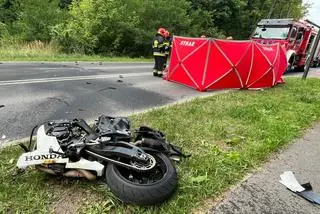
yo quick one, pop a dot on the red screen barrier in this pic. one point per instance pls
(208, 64)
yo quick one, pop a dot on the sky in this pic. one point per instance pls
(314, 11)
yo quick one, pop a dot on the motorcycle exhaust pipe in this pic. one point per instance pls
(80, 173)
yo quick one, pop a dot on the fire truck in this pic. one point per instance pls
(297, 36)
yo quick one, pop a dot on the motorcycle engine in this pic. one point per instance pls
(68, 136)
(61, 129)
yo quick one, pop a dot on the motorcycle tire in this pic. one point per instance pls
(143, 188)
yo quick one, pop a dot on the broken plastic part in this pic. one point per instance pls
(289, 180)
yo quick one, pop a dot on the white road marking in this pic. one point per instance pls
(101, 67)
(61, 79)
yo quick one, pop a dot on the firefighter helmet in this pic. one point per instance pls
(161, 31)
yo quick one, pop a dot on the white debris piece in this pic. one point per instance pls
(3, 137)
(289, 180)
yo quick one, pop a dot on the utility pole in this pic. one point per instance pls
(313, 51)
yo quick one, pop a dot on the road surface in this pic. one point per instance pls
(31, 93)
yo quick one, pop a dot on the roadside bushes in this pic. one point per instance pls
(121, 27)
(29, 20)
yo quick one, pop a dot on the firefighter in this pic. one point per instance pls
(158, 52)
(167, 47)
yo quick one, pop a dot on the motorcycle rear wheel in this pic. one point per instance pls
(143, 188)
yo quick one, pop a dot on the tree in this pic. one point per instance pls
(37, 18)
(9, 10)
(126, 27)
(238, 17)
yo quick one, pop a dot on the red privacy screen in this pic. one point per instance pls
(208, 64)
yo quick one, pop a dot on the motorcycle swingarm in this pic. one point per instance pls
(119, 149)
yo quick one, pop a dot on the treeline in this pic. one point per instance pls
(126, 27)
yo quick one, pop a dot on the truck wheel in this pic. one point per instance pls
(143, 188)
(290, 66)
(299, 69)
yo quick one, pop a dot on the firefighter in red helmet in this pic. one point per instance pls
(158, 47)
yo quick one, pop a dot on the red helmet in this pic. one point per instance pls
(161, 31)
(166, 34)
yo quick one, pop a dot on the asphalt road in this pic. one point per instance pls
(31, 93)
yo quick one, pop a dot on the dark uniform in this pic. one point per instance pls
(158, 53)
(167, 49)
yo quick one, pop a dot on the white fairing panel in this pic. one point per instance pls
(45, 142)
(88, 165)
(42, 155)
(39, 157)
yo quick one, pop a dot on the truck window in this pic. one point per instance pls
(270, 32)
(300, 35)
(293, 33)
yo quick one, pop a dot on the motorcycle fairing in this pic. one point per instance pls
(42, 155)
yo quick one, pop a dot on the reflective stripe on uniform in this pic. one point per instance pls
(158, 54)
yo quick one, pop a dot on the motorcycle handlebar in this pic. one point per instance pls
(83, 124)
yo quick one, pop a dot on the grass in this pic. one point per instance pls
(39, 51)
(228, 135)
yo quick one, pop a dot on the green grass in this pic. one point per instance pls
(38, 51)
(228, 135)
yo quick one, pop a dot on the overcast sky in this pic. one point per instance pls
(314, 12)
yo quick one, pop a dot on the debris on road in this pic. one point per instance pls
(305, 190)
(119, 81)
(309, 195)
(88, 83)
(1, 106)
(3, 137)
(289, 180)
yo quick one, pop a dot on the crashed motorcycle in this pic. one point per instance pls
(137, 168)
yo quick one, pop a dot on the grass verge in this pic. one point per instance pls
(228, 135)
(38, 51)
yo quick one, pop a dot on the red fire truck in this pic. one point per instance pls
(296, 35)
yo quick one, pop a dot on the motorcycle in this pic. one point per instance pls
(137, 170)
